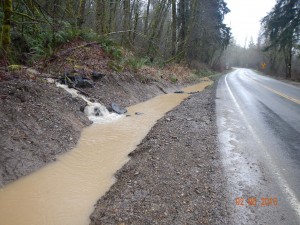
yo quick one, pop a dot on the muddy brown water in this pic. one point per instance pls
(64, 192)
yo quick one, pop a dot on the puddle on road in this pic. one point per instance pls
(64, 192)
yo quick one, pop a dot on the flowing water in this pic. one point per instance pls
(95, 111)
(64, 192)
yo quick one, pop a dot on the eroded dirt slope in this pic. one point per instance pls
(37, 122)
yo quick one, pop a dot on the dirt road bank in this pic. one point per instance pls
(174, 176)
(39, 121)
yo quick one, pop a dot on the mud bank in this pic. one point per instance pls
(174, 176)
(39, 121)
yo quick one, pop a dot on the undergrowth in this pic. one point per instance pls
(41, 42)
(204, 73)
(135, 63)
(37, 42)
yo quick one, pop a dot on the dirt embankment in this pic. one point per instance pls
(39, 121)
(174, 175)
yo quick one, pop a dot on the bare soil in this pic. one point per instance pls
(174, 176)
(39, 121)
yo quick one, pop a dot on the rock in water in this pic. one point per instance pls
(118, 109)
(179, 92)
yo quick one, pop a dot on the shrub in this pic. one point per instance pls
(136, 64)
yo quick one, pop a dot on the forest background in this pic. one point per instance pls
(159, 32)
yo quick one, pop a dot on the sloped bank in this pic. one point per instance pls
(127, 89)
(40, 121)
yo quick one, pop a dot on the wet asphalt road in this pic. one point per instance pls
(259, 136)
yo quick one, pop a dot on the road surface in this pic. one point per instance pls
(259, 136)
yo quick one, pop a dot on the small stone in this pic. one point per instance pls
(118, 109)
(197, 191)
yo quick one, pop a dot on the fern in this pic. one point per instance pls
(136, 63)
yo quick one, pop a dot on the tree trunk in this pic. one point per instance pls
(157, 20)
(6, 27)
(102, 16)
(69, 9)
(55, 13)
(174, 27)
(182, 18)
(136, 18)
(288, 62)
(163, 15)
(132, 8)
(98, 16)
(106, 15)
(147, 18)
(81, 12)
(126, 24)
(112, 15)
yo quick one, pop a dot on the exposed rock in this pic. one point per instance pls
(97, 76)
(116, 108)
(178, 92)
(76, 81)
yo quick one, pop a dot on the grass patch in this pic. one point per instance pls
(205, 73)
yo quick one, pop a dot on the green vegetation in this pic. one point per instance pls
(135, 63)
(158, 31)
(205, 73)
(6, 27)
(282, 28)
(173, 79)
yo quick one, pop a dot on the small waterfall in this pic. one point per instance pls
(95, 111)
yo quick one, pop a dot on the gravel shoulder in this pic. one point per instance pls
(175, 175)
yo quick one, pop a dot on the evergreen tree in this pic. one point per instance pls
(282, 27)
(6, 27)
